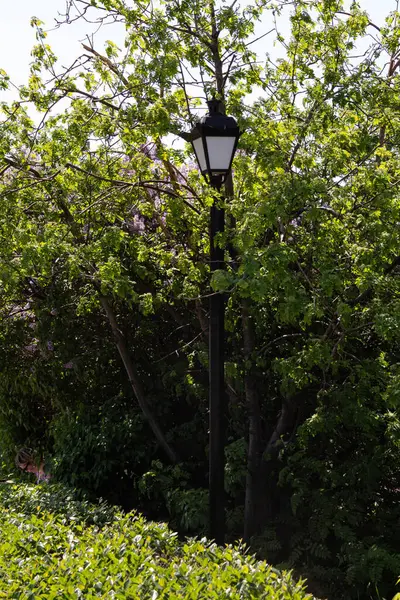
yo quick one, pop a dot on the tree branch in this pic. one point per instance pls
(347, 14)
(134, 380)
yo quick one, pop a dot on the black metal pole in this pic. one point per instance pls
(217, 388)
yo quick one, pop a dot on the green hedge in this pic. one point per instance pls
(54, 546)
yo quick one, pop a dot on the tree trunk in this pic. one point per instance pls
(284, 426)
(134, 380)
(255, 430)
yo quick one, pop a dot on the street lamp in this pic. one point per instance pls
(214, 139)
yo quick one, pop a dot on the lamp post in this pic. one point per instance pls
(214, 139)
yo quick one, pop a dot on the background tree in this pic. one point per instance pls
(104, 224)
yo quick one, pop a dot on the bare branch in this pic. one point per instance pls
(87, 95)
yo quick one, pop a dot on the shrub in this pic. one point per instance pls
(52, 547)
(98, 450)
(345, 522)
(41, 500)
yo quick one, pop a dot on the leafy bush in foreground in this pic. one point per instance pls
(51, 548)
(56, 499)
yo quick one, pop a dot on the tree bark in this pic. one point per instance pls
(134, 380)
(284, 425)
(255, 429)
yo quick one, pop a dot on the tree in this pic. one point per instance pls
(98, 205)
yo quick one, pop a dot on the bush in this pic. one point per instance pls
(98, 450)
(40, 500)
(54, 546)
(345, 525)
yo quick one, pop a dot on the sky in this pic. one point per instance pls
(17, 37)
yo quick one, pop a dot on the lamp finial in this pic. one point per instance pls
(214, 106)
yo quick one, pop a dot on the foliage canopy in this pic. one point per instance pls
(104, 276)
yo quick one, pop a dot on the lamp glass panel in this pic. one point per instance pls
(220, 151)
(199, 150)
